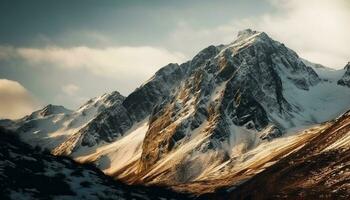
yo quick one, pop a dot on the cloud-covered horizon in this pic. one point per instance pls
(129, 66)
(15, 100)
(118, 62)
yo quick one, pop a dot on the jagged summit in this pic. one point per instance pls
(53, 109)
(46, 111)
(231, 93)
(247, 33)
(103, 101)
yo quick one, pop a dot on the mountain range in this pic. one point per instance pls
(246, 120)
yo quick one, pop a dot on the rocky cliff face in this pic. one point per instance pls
(136, 106)
(113, 122)
(238, 85)
(345, 80)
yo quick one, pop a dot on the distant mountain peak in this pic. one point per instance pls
(249, 33)
(51, 109)
(103, 101)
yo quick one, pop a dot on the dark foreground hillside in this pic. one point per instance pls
(27, 173)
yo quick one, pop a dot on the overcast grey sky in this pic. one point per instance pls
(64, 52)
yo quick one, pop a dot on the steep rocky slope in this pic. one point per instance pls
(318, 170)
(345, 80)
(238, 86)
(119, 118)
(233, 98)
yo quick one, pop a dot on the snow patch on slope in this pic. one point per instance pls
(111, 157)
(261, 156)
(322, 102)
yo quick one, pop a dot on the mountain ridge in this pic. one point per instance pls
(197, 120)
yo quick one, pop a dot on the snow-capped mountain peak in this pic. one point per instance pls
(247, 33)
(191, 119)
(49, 110)
(104, 100)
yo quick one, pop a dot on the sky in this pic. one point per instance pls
(66, 52)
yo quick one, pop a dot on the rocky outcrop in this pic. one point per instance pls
(270, 133)
(345, 80)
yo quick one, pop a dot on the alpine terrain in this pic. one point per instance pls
(246, 120)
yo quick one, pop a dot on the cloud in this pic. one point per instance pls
(198, 39)
(70, 89)
(117, 62)
(317, 30)
(15, 100)
(127, 67)
(71, 93)
(131, 65)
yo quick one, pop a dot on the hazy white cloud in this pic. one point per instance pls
(118, 62)
(70, 89)
(317, 30)
(191, 40)
(128, 66)
(74, 100)
(15, 100)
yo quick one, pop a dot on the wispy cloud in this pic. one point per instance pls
(317, 29)
(128, 66)
(15, 100)
(118, 62)
(70, 89)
